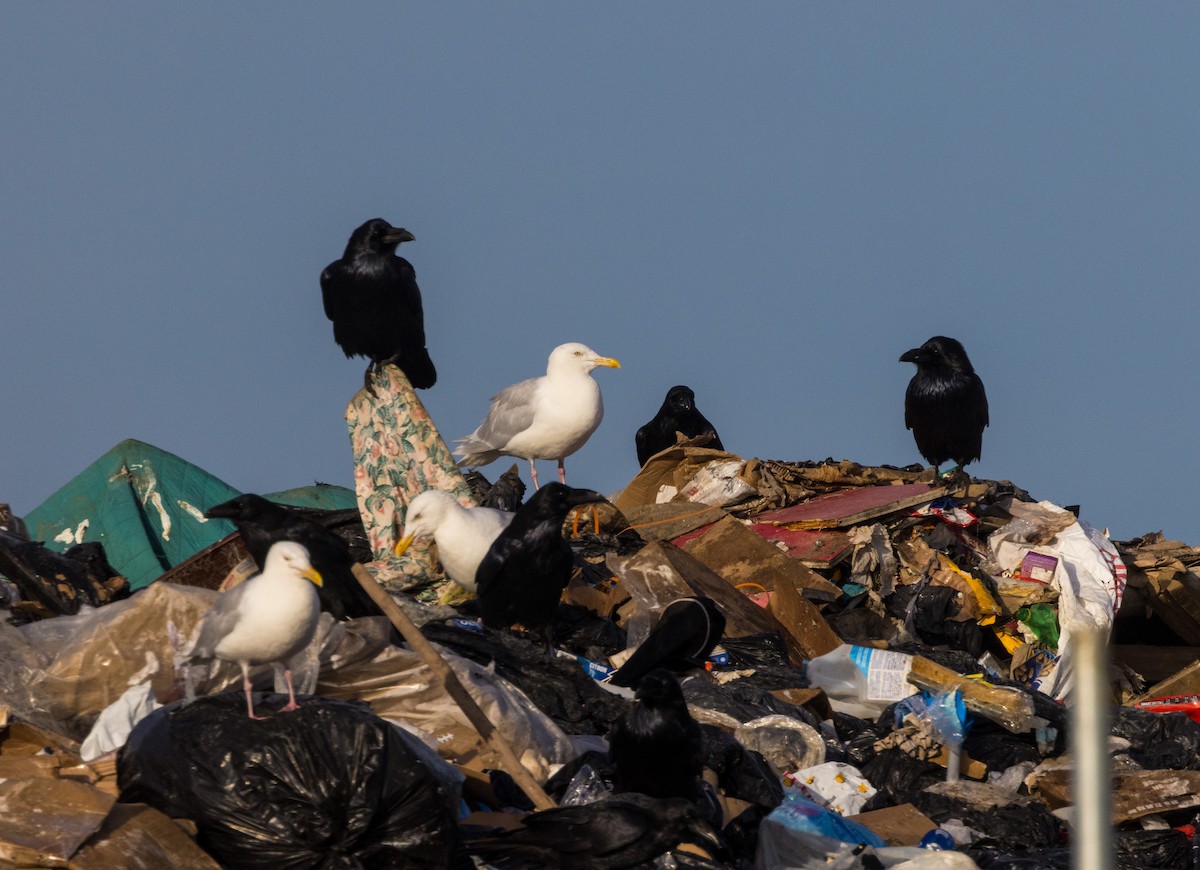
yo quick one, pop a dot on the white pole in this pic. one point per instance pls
(1092, 830)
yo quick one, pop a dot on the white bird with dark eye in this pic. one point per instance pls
(269, 618)
(542, 418)
(463, 535)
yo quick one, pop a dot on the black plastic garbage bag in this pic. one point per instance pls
(896, 775)
(1132, 850)
(1167, 849)
(329, 785)
(1158, 741)
(741, 773)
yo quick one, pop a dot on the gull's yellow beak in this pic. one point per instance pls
(608, 361)
(403, 544)
(314, 575)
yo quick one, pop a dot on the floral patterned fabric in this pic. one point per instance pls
(398, 453)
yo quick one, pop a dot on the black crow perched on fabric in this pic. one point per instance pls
(685, 634)
(677, 414)
(657, 747)
(945, 406)
(371, 295)
(262, 523)
(618, 832)
(523, 574)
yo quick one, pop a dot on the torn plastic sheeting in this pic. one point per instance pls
(399, 686)
(1089, 577)
(93, 656)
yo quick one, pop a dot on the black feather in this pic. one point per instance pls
(523, 574)
(945, 405)
(371, 295)
(261, 523)
(657, 747)
(625, 831)
(677, 414)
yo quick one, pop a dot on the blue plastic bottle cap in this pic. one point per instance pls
(938, 840)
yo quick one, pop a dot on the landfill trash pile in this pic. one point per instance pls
(754, 663)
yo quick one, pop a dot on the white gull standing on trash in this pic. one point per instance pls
(463, 535)
(542, 418)
(269, 618)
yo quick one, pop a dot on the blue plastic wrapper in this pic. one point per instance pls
(801, 814)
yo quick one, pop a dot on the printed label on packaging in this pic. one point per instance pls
(886, 671)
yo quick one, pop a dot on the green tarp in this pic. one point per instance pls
(146, 506)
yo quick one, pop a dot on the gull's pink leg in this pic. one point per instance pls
(246, 686)
(562, 473)
(533, 474)
(291, 704)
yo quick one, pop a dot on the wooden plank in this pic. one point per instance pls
(1185, 681)
(848, 507)
(740, 556)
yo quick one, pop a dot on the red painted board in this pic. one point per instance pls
(818, 548)
(847, 507)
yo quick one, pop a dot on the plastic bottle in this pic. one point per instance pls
(860, 680)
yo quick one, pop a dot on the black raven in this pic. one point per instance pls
(262, 523)
(625, 831)
(657, 747)
(945, 405)
(524, 572)
(677, 414)
(685, 634)
(371, 295)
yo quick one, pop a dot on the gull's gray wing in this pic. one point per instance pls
(511, 413)
(219, 621)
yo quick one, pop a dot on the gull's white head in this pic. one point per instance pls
(577, 357)
(424, 515)
(290, 557)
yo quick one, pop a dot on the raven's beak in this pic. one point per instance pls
(403, 544)
(314, 575)
(218, 512)
(398, 235)
(912, 356)
(607, 361)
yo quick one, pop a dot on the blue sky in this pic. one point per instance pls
(768, 202)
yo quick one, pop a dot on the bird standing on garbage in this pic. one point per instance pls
(657, 747)
(626, 831)
(524, 572)
(677, 414)
(261, 523)
(945, 405)
(542, 418)
(371, 295)
(463, 535)
(269, 618)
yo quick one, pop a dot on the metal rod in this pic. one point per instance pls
(1092, 829)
